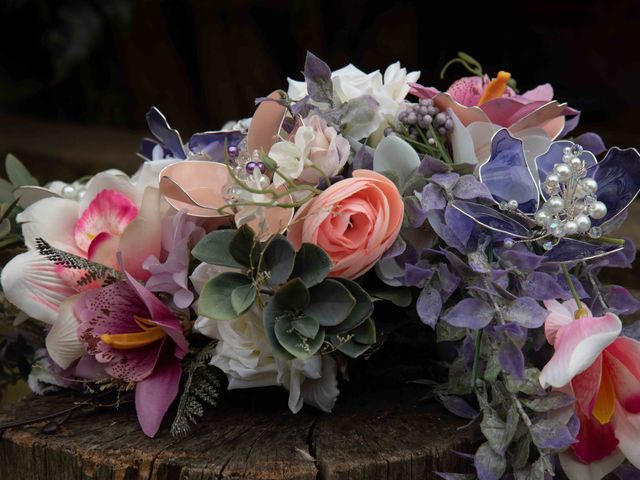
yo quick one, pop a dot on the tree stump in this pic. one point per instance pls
(372, 434)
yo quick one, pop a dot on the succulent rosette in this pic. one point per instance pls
(343, 219)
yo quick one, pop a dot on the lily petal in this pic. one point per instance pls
(576, 470)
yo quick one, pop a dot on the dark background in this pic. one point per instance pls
(204, 61)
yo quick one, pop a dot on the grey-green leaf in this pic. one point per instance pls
(214, 249)
(272, 312)
(295, 343)
(331, 303)
(278, 260)
(311, 265)
(6, 191)
(293, 295)
(215, 299)
(242, 298)
(243, 246)
(18, 173)
(360, 312)
(306, 326)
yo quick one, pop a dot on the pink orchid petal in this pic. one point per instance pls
(63, 344)
(146, 226)
(196, 186)
(114, 180)
(103, 249)
(52, 219)
(506, 111)
(30, 281)
(577, 346)
(586, 385)
(467, 115)
(110, 212)
(595, 441)
(559, 315)
(627, 386)
(421, 91)
(155, 394)
(627, 429)
(88, 367)
(549, 117)
(627, 350)
(576, 470)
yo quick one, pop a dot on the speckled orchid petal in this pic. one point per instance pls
(197, 186)
(618, 177)
(507, 174)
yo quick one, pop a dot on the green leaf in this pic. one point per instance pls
(449, 333)
(272, 312)
(215, 299)
(293, 295)
(331, 303)
(278, 260)
(359, 313)
(242, 298)
(306, 326)
(6, 191)
(365, 333)
(350, 348)
(214, 249)
(399, 296)
(295, 343)
(243, 246)
(311, 265)
(18, 173)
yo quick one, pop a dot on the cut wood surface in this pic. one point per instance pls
(389, 434)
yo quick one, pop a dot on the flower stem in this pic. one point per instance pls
(476, 359)
(574, 292)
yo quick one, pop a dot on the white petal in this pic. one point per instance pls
(395, 155)
(31, 283)
(323, 392)
(52, 219)
(461, 142)
(62, 342)
(111, 181)
(627, 430)
(576, 470)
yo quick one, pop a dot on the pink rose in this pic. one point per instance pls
(329, 150)
(355, 221)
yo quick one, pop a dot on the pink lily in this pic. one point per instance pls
(127, 334)
(480, 107)
(602, 370)
(112, 216)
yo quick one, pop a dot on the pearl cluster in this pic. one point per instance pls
(572, 201)
(249, 169)
(73, 191)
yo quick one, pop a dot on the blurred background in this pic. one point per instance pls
(202, 62)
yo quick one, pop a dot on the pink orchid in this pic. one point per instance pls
(112, 216)
(481, 107)
(602, 370)
(123, 331)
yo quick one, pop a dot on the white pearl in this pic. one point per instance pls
(576, 164)
(552, 180)
(555, 204)
(68, 191)
(542, 218)
(583, 222)
(580, 193)
(563, 171)
(570, 227)
(589, 185)
(513, 204)
(567, 150)
(597, 210)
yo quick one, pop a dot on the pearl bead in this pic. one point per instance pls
(575, 164)
(566, 158)
(555, 204)
(583, 222)
(513, 204)
(597, 210)
(552, 180)
(577, 150)
(233, 151)
(563, 171)
(542, 218)
(508, 243)
(571, 227)
(81, 193)
(68, 191)
(589, 185)
(566, 150)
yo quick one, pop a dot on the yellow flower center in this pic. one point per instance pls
(496, 87)
(150, 333)
(605, 403)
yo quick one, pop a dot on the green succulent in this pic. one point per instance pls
(303, 310)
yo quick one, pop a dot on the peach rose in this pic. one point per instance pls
(355, 221)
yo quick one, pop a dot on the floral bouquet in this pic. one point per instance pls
(262, 253)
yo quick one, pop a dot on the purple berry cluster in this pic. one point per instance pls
(422, 115)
